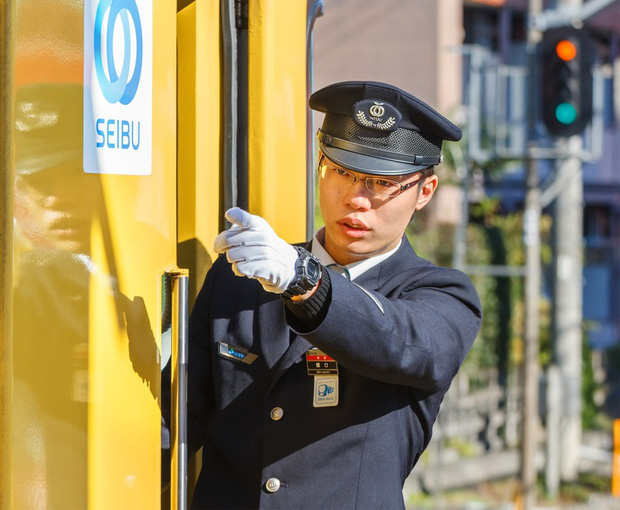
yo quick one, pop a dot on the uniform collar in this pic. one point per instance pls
(355, 269)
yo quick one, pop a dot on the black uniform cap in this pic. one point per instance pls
(376, 128)
(48, 126)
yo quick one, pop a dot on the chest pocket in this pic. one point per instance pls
(235, 370)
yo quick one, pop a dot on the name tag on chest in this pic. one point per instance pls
(324, 369)
(236, 353)
(325, 391)
(319, 363)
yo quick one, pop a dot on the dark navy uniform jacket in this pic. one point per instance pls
(397, 355)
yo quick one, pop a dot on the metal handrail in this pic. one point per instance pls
(179, 449)
(316, 8)
(230, 109)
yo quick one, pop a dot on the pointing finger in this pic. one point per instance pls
(244, 219)
(239, 217)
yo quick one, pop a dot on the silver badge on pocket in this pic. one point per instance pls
(236, 353)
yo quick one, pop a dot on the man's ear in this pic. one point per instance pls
(426, 192)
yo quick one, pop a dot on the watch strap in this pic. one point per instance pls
(308, 314)
(303, 281)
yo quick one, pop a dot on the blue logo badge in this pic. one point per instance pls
(114, 87)
(325, 390)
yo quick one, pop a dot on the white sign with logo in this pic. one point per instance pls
(118, 86)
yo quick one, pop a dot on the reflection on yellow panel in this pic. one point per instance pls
(89, 253)
(277, 115)
(6, 249)
(50, 295)
(199, 138)
(53, 205)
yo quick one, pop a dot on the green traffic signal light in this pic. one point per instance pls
(566, 113)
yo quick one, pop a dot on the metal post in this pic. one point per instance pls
(552, 443)
(568, 223)
(459, 259)
(230, 110)
(567, 309)
(316, 9)
(178, 384)
(531, 369)
(531, 230)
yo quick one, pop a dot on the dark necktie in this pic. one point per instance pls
(340, 269)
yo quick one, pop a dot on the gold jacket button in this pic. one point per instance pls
(276, 413)
(272, 485)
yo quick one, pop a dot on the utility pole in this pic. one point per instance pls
(531, 231)
(567, 313)
(567, 310)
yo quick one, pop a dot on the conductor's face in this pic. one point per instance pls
(53, 207)
(364, 218)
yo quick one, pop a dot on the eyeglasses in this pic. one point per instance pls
(339, 177)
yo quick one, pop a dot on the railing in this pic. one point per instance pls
(475, 437)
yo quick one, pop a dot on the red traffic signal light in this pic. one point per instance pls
(566, 50)
(566, 59)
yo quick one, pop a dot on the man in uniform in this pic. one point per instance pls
(316, 371)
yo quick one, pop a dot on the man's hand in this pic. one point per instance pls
(255, 251)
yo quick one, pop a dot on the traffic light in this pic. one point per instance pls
(566, 59)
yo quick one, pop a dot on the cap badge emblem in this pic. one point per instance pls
(377, 110)
(373, 114)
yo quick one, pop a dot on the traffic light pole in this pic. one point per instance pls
(531, 231)
(567, 314)
(567, 309)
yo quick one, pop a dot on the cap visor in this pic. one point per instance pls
(47, 161)
(368, 164)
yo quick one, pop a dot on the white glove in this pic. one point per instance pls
(255, 251)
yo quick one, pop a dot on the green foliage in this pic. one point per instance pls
(613, 355)
(589, 385)
(493, 238)
(464, 449)
(581, 490)
(497, 239)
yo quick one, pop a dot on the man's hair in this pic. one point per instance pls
(424, 174)
(427, 172)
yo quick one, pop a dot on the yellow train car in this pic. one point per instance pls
(128, 127)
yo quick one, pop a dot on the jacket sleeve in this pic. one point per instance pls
(417, 334)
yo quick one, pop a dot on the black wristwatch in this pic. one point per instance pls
(308, 274)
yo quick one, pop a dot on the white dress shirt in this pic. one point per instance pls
(354, 269)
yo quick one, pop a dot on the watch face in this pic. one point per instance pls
(308, 270)
(314, 269)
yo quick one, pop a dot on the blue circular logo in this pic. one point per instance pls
(114, 86)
